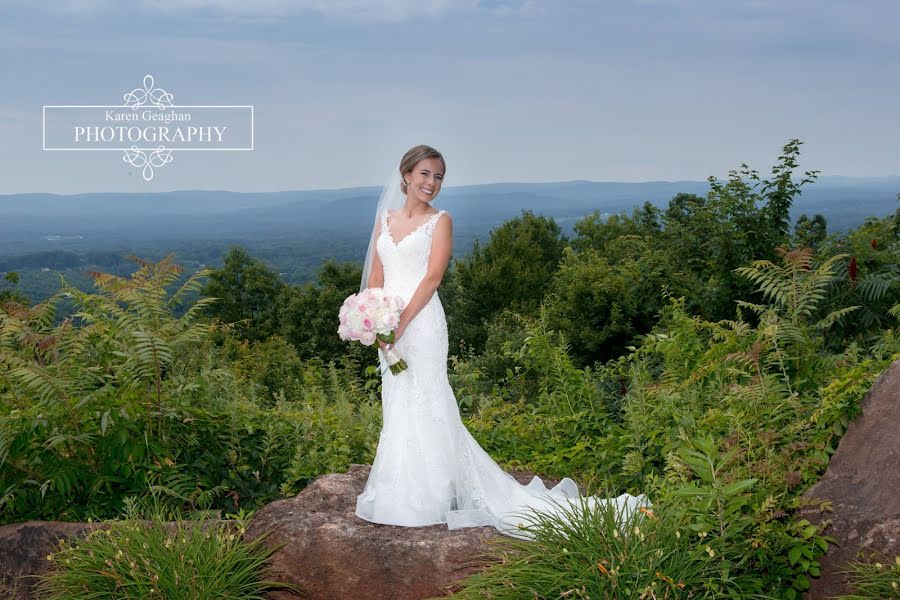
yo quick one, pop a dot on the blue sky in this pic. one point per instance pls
(508, 90)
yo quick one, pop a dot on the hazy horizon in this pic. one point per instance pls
(762, 175)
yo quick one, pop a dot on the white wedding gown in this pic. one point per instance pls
(428, 469)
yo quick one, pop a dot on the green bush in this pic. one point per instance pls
(135, 398)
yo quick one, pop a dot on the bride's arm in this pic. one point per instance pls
(376, 273)
(441, 249)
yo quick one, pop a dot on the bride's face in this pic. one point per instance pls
(424, 182)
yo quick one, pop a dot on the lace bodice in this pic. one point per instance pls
(405, 262)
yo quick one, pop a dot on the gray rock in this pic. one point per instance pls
(23, 552)
(331, 553)
(862, 483)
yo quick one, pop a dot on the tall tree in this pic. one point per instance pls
(309, 313)
(809, 233)
(248, 293)
(513, 270)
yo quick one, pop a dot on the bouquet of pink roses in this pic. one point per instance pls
(372, 314)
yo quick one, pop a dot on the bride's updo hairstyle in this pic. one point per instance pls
(412, 158)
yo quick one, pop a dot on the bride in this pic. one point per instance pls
(428, 469)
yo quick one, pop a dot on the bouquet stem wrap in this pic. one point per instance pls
(394, 360)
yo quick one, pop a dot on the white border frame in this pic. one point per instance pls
(44, 128)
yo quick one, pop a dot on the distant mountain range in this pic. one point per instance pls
(40, 222)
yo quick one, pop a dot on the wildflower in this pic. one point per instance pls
(603, 569)
(647, 512)
(879, 565)
(50, 556)
(710, 551)
(565, 550)
(678, 534)
(637, 530)
(668, 580)
(702, 534)
(616, 533)
(894, 585)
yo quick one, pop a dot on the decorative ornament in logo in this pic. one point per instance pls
(148, 127)
(134, 100)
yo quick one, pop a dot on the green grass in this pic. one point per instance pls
(151, 558)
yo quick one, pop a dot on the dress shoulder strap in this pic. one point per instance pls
(432, 222)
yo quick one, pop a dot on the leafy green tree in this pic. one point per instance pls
(740, 220)
(309, 313)
(248, 292)
(809, 233)
(513, 270)
(592, 231)
(779, 193)
(14, 294)
(601, 300)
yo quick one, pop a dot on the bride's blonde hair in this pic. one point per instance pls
(412, 158)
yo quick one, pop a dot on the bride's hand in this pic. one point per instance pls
(398, 332)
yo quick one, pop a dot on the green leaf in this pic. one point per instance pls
(691, 491)
(738, 486)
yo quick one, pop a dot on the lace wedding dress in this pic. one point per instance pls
(428, 469)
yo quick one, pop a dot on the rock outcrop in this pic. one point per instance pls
(23, 552)
(331, 553)
(863, 484)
